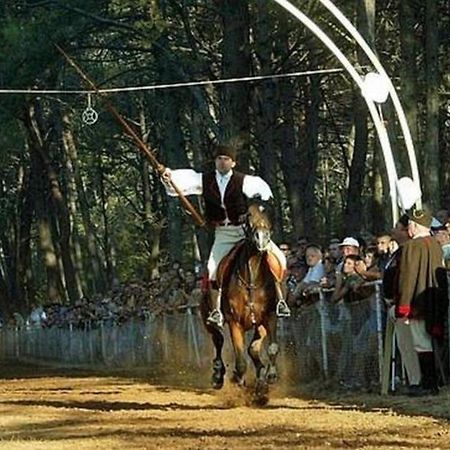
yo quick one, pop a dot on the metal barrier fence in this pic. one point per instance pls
(340, 343)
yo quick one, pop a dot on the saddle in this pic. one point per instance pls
(227, 263)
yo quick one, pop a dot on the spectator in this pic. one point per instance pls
(329, 279)
(421, 302)
(334, 249)
(368, 267)
(316, 271)
(351, 281)
(286, 249)
(383, 244)
(296, 272)
(443, 216)
(37, 316)
(349, 246)
(442, 235)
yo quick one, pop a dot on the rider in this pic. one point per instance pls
(225, 192)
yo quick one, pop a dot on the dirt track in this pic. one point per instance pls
(42, 408)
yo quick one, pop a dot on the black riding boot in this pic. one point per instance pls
(429, 374)
(215, 317)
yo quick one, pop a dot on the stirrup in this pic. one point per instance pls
(215, 319)
(283, 309)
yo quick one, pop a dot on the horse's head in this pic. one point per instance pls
(259, 227)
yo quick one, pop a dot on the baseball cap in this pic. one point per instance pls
(349, 241)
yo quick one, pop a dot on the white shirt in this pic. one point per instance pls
(315, 273)
(222, 182)
(190, 183)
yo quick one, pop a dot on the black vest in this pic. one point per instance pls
(234, 199)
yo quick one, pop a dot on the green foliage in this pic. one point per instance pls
(137, 42)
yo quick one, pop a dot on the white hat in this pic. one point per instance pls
(408, 193)
(350, 241)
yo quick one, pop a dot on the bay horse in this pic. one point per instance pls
(248, 299)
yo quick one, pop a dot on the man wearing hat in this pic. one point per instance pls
(225, 192)
(421, 300)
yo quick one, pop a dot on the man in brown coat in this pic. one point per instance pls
(422, 297)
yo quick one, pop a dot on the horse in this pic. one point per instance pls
(248, 298)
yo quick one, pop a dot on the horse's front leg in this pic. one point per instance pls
(272, 350)
(218, 365)
(238, 339)
(261, 394)
(254, 351)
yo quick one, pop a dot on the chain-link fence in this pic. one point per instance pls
(335, 342)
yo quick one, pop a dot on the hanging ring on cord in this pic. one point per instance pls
(89, 115)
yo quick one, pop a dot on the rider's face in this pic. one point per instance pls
(224, 164)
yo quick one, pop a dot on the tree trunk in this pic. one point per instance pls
(69, 210)
(285, 137)
(39, 185)
(265, 105)
(152, 227)
(236, 63)
(311, 148)
(108, 247)
(173, 145)
(24, 274)
(408, 68)
(64, 226)
(432, 189)
(354, 208)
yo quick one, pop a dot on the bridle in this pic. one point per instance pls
(257, 228)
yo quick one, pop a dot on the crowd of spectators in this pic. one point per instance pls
(174, 291)
(342, 267)
(345, 266)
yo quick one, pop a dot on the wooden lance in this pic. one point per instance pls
(142, 146)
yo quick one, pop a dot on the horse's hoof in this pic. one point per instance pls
(261, 400)
(261, 395)
(239, 381)
(261, 388)
(272, 376)
(217, 384)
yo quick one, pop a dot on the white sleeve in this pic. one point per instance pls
(254, 186)
(187, 180)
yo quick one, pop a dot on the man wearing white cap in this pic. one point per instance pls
(349, 246)
(225, 192)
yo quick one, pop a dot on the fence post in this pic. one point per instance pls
(192, 330)
(164, 337)
(323, 331)
(16, 342)
(378, 301)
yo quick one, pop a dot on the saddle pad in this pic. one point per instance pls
(276, 267)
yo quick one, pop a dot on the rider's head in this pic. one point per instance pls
(225, 158)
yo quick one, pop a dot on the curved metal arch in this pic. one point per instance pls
(379, 125)
(392, 92)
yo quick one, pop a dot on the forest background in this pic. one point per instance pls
(81, 210)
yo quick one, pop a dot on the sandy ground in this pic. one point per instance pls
(50, 408)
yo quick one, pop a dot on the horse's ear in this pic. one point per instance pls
(265, 207)
(257, 201)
